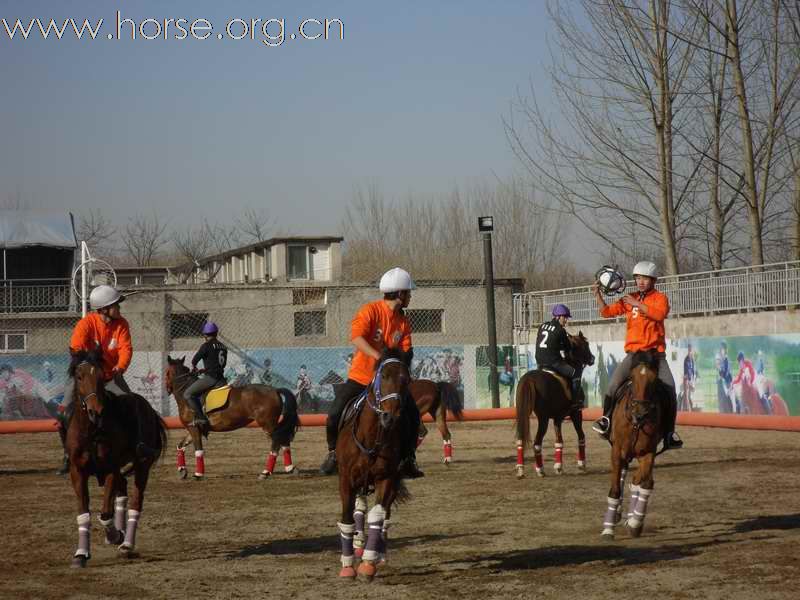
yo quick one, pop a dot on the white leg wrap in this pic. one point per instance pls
(84, 537)
(361, 503)
(632, 502)
(640, 510)
(346, 534)
(375, 520)
(611, 517)
(130, 530)
(120, 512)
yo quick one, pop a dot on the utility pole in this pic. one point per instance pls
(486, 226)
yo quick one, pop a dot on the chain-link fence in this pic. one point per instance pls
(284, 336)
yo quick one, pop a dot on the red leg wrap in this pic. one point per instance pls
(199, 463)
(271, 459)
(520, 455)
(448, 450)
(287, 457)
(181, 458)
(582, 451)
(559, 455)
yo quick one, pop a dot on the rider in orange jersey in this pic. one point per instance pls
(644, 313)
(378, 325)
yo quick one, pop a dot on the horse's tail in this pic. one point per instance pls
(152, 429)
(449, 399)
(526, 396)
(286, 430)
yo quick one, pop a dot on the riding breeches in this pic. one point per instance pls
(203, 383)
(343, 394)
(562, 368)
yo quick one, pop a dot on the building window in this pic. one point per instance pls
(298, 262)
(13, 342)
(426, 320)
(183, 325)
(309, 323)
(302, 296)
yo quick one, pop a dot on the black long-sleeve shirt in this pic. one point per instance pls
(551, 339)
(214, 355)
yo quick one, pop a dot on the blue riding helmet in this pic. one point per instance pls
(210, 328)
(740, 356)
(561, 310)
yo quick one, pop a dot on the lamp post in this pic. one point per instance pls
(486, 226)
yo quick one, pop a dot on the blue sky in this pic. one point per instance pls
(411, 99)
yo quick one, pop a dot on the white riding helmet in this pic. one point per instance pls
(104, 295)
(645, 268)
(396, 280)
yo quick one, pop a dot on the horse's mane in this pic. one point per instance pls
(398, 354)
(645, 357)
(93, 357)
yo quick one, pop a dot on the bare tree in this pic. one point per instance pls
(611, 159)
(195, 243)
(97, 231)
(255, 225)
(143, 238)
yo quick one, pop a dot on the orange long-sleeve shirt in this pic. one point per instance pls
(114, 339)
(377, 323)
(645, 332)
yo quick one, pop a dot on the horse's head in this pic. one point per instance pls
(580, 351)
(176, 370)
(86, 368)
(644, 375)
(389, 388)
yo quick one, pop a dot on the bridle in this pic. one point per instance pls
(376, 405)
(92, 414)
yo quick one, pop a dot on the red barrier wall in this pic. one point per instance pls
(488, 414)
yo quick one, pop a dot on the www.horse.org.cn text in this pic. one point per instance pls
(271, 32)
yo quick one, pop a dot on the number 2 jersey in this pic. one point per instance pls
(214, 355)
(551, 339)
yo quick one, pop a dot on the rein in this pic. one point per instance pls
(375, 405)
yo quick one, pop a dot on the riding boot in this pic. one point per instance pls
(199, 416)
(578, 397)
(328, 466)
(603, 424)
(671, 439)
(409, 468)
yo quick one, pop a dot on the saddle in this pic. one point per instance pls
(216, 398)
(560, 378)
(352, 408)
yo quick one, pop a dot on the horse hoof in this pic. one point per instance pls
(347, 573)
(358, 552)
(447, 460)
(264, 475)
(540, 472)
(120, 537)
(582, 467)
(199, 476)
(607, 537)
(558, 470)
(635, 531)
(520, 472)
(78, 562)
(367, 569)
(182, 472)
(293, 471)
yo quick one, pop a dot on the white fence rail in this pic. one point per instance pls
(36, 295)
(728, 290)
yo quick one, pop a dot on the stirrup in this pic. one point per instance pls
(328, 466)
(672, 441)
(602, 426)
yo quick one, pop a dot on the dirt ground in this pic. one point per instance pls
(723, 522)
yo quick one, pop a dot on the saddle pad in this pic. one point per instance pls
(217, 398)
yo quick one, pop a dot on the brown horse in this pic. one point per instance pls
(549, 396)
(369, 449)
(102, 434)
(636, 429)
(275, 411)
(436, 398)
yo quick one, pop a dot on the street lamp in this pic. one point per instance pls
(486, 226)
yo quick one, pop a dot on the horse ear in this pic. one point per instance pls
(183, 359)
(580, 333)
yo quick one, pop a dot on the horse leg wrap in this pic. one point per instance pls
(120, 512)
(84, 537)
(346, 536)
(112, 533)
(640, 510)
(611, 517)
(559, 455)
(269, 467)
(287, 459)
(537, 455)
(130, 530)
(384, 539)
(582, 453)
(447, 448)
(632, 502)
(520, 456)
(375, 520)
(358, 517)
(199, 463)
(181, 459)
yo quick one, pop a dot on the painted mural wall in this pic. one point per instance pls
(752, 375)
